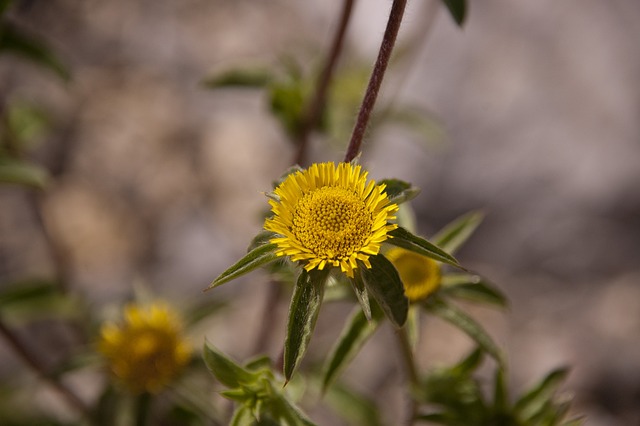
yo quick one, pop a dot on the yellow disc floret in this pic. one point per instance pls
(330, 215)
(420, 275)
(147, 351)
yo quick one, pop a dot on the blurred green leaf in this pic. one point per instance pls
(399, 191)
(353, 337)
(13, 40)
(361, 293)
(353, 407)
(456, 233)
(287, 101)
(284, 411)
(303, 313)
(472, 288)
(242, 417)
(535, 399)
(405, 239)
(34, 299)
(21, 173)
(384, 285)
(457, 9)
(225, 370)
(257, 257)
(464, 322)
(25, 123)
(4, 4)
(500, 395)
(469, 364)
(249, 78)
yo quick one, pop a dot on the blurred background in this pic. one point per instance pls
(532, 113)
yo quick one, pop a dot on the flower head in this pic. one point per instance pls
(420, 275)
(328, 215)
(147, 350)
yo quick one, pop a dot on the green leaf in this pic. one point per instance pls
(456, 233)
(464, 322)
(457, 9)
(257, 257)
(353, 337)
(384, 285)
(283, 409)
(361, 293)
(261, 239)
(225, 370)
(437, 418)
(287, 102)
(15, 41)
(399, 191)
(500, 395)
(469, 364)
(249, 78)
(535, 399)
(473, 288)
(353, 407)
(20, 173)
(405, 239)
(4, 4)
(32, 299)
(242, 417)
(303, 313)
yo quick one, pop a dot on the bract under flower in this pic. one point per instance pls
(328, 215)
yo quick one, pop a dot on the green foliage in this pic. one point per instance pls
(303, 313)
(457, 9)
(259, 256)
(255, 389)
(456, 233)
(405, 239)
(399, 191)
(384, 285)
(472, 288)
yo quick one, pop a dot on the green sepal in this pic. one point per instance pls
(357, 331)
(467, 324)
(472, 288)
(384, 285)
(257, 257)
(361, 293)
(303, 313)
(405, 239)
(225, 370)
(457, 9)
(18, 172)
(535, 399)
(399, 191)
(17, 42)
(456, 233)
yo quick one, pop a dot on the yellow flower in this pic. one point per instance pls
(420, 275)
(148, 350)
(330, 215)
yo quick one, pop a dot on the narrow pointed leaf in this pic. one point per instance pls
(500, 397)
(362, 295)
(257, 257)
(399, 191)
(464, 322)
(405, 239)
(249, 78)
(457, 9)
(353, 337)
(384, 285)
(456, 233)
(303, 313)
(531, 402)
(261, 239)
(470, 363)
(21, 173)
(225, 370)
(473, 288)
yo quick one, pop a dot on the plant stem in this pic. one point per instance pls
(410, 366)
(316, 106)
(369, 100)
(21, 350)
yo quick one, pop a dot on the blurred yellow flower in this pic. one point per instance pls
(420, 275)
(147, 351)
(330, 215)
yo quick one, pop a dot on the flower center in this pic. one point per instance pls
(332, 222)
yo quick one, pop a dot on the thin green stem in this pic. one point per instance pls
(29, 358)
(317, 104)
(408, 359)
(370, 96)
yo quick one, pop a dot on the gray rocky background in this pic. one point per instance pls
(158, 180)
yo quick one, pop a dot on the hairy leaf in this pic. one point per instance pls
(384, 285)
(257, 257)
(405, 239)
(225, 370)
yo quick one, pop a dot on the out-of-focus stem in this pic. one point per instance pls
(413, 379)
(316, 106)
(370, 96)
(28, 358)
